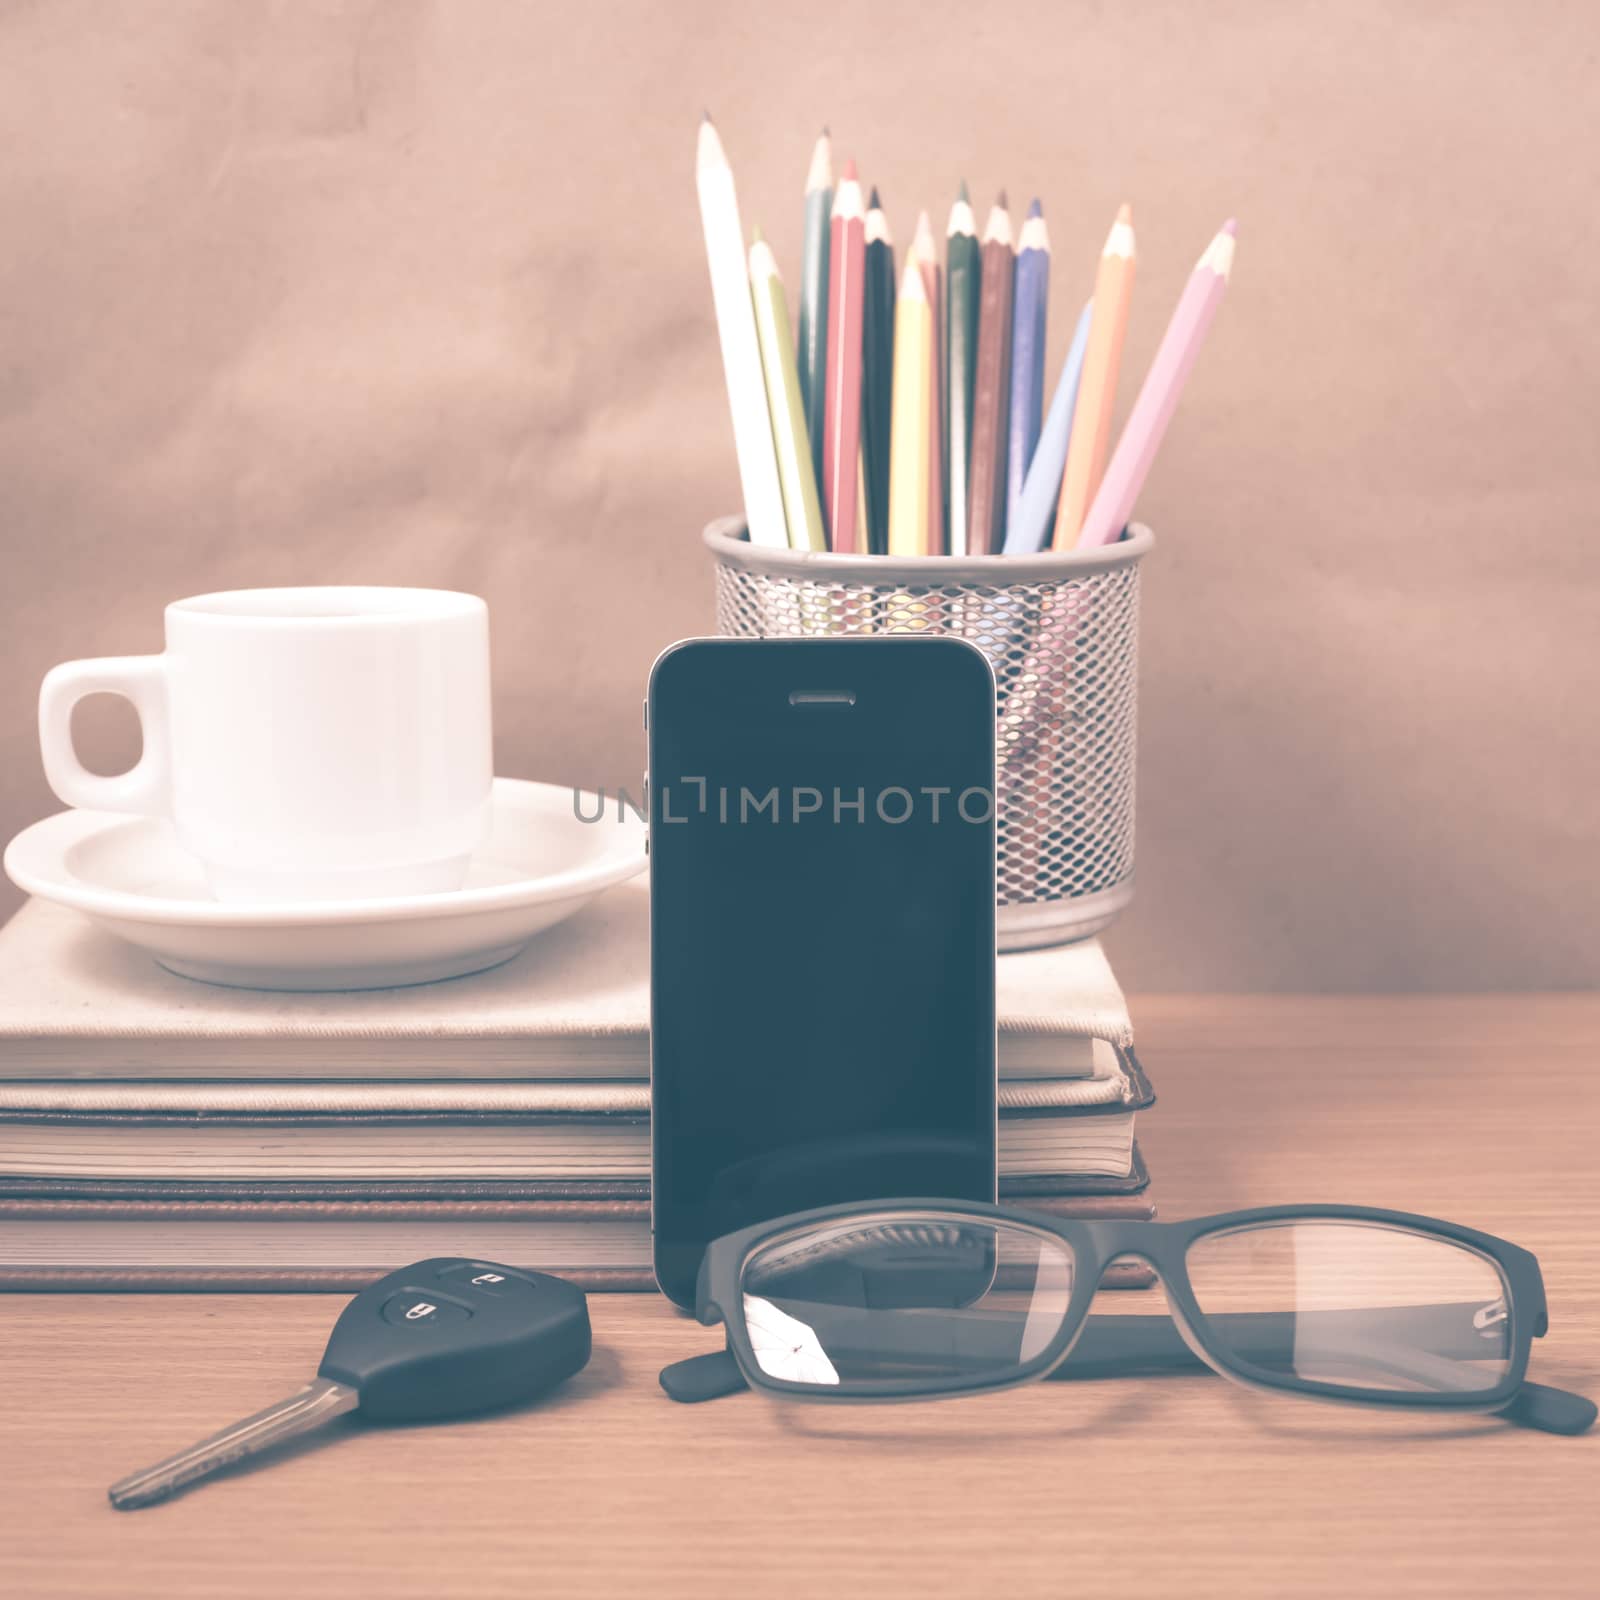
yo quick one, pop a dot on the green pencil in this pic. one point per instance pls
(963, 288)
(877, 374)
(811, 358)
(797, 478)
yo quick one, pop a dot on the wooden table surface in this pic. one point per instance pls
(1480, 1109)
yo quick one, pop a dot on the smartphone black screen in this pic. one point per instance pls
(822, 855)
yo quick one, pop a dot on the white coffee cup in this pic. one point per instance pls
(308, 744)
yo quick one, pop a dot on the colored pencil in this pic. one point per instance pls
(736, 327)
(877, 363)
(963, 268)
(986, 492)
(1097, 394)
(863, 523)
(842, 424)
(913, 396)
(797, 477)
(1028, 531)
(812, 352)
(1158, 398)
(1031, 299)
(933, 282)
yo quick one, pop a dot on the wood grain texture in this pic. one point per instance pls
(1176, 1486)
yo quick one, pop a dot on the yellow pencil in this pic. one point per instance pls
(797, 476)
(1097, 390)
(910, 432)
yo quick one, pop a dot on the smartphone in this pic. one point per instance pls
(822, 858)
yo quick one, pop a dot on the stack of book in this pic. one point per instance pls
(160, 1133)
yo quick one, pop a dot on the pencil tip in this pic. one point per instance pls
(850, 173)
(705, 116)
(825, 133)
(1230, 227)
(755, 234)
(1036, 210)
(819, 174)
(1125, 213)
(965, 198)
(1002, 202)
(873, 202)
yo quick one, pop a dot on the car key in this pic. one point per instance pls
(443, 1338)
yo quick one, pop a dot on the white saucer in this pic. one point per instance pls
(131, 877)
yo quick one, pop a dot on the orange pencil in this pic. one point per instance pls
(1097, 392)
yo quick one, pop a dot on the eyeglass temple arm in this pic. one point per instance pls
(704, 1377)
(1124, 1346)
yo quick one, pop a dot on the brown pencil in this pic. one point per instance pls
(986, 505)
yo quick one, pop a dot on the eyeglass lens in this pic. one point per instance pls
(1355, 1304)
(905, 1297)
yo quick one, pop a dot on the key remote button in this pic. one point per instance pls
(409, 1308)
(481, 1278)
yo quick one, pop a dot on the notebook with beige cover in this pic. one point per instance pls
(267, 1132)
(78, 1003)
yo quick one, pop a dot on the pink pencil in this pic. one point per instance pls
(1152, 411)
(841, 440)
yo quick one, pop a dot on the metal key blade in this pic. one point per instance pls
(317, 1403)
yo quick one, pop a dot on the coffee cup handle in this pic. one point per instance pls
(145, 787)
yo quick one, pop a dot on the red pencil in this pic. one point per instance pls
(841, 443)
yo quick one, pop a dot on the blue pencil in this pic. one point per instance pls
(1028, 532)
(1032, 297)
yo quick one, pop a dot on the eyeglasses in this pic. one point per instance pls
(917, 1299)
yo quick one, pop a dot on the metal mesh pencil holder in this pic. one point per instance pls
(1062, 634)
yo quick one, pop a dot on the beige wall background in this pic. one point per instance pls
(414, 293)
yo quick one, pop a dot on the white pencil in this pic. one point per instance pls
(741, 358)
(797, 477)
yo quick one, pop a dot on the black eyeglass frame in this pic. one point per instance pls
(1164, 1246)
